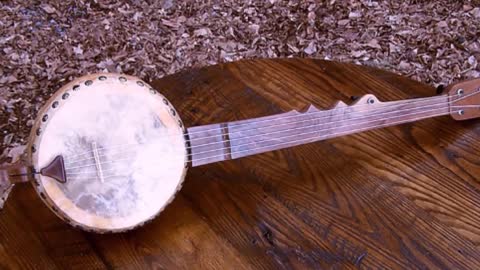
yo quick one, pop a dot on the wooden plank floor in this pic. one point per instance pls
(405, 197)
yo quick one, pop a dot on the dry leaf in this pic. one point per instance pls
(49, 9)
(472, 74)
(476, 13)
(253, 28)
(343, 22)
(15, 152)
(374, 44)
(354, 15)
(404, 65)
(472, 61)
(311, 48)
(8, 139)
(358, 54)
(201, 32)
(78, 49)
(442, 24)
(137, 16)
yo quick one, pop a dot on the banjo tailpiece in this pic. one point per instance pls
(56, 170)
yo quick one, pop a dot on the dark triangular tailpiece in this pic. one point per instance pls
(55, 170)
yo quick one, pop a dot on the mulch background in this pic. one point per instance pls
(44, 44)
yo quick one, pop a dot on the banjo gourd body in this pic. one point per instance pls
(123, 150)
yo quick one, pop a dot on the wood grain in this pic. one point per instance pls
(404, 197)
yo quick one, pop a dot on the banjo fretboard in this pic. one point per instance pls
(217, 142)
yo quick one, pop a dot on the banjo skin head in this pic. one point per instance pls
(123, 149)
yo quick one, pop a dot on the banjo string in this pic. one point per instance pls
(264, 127)
(264, 134)
(282, 137)
(304, 114)
(258, 135)
(323, 114)
(299, 141)
(268, 133)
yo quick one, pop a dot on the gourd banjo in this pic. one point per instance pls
(108, 153)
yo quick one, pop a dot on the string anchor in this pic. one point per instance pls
(56, 170)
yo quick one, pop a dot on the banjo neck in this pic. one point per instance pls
(232, 140)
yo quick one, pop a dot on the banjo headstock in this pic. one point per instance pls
(467, 95)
